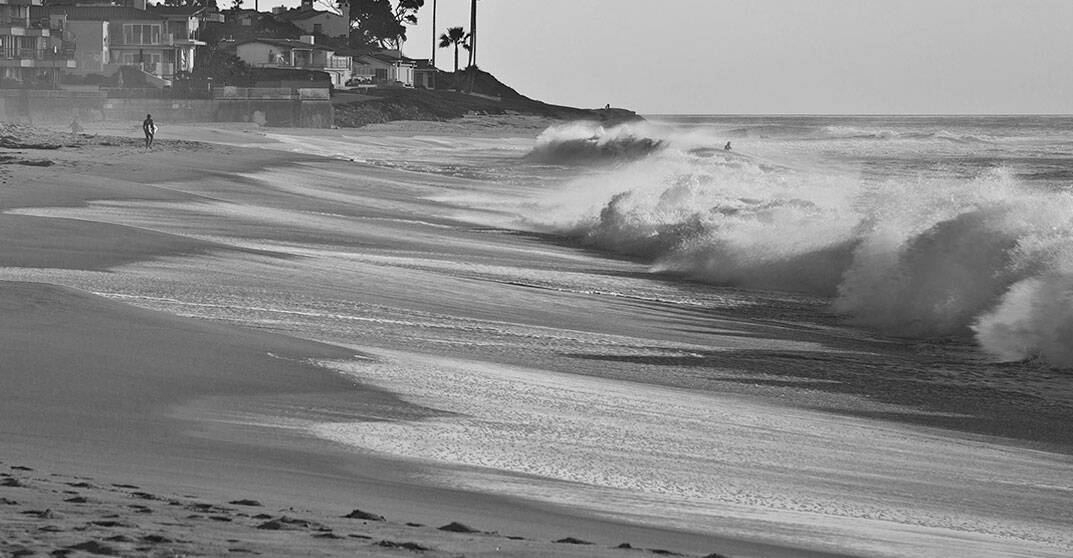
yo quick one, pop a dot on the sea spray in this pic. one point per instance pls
(580, 143)
(925, 255)
(933, 255)
(1034, 318)
(1033, 321)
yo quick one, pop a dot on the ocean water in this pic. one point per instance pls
(850, 334)
(917, 227)
(920, 227)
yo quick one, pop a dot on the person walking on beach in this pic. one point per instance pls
(149, 127)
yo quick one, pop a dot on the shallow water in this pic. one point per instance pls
(715, 378)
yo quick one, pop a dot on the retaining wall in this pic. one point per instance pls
(309, 110)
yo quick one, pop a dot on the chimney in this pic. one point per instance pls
(307, 39)
(307, 4)
(344, 8)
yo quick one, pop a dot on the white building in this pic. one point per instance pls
(288, 53)
(386, 67)
(28, 52)
(322, 22)
(159, 45)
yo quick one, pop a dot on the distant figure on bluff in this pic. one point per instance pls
(149, 127)
(726, 147)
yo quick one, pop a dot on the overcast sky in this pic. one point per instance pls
(769, 56)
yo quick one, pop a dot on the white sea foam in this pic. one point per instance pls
(921, 253)
(590, 142)
(710, 462)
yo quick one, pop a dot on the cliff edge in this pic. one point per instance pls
(457, 95)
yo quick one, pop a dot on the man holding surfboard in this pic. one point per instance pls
(149, 127)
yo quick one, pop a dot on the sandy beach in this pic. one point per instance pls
(97, 432)
(207, 350)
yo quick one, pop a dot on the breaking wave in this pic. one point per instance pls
(588, 142)
(989, 258)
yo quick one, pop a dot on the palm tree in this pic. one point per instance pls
(473, 33)
(454, 36)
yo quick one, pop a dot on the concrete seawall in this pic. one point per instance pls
(291, 108)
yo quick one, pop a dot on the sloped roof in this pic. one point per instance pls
(423, 63)
(285, 43)
(388, 59)
(292, 15)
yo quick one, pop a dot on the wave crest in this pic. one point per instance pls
(989, 257)
(581, 143)
(1034, 320)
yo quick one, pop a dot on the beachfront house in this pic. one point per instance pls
(183, 24)
(107, 37)
(302, 54)
(386, 67)
(241, 17)
(30, 53)
(318, 22)
(425, 73)
(91, 51)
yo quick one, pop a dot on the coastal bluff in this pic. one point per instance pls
(458, 95)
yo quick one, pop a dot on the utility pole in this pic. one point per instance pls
(433, 34)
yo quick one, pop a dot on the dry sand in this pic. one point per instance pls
(114, 436)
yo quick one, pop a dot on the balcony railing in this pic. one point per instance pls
(339, 62)
(37, 54)
(165, 39)
(307, 65)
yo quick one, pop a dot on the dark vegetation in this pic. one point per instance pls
(491, 97)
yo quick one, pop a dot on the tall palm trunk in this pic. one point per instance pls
(473, 33)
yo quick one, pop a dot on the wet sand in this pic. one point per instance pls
(150, 417)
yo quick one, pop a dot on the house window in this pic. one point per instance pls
(138, 34)
(317, 28)
(150, 61)
(381, 74)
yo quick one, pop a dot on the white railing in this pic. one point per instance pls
(166, 39)
(340, 62)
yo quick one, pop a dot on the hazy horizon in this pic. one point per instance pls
(826, 57)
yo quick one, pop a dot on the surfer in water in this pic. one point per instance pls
(726, 147)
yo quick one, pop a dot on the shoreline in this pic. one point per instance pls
(224, 432)
(152, 432)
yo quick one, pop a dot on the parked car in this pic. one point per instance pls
(359, 80)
